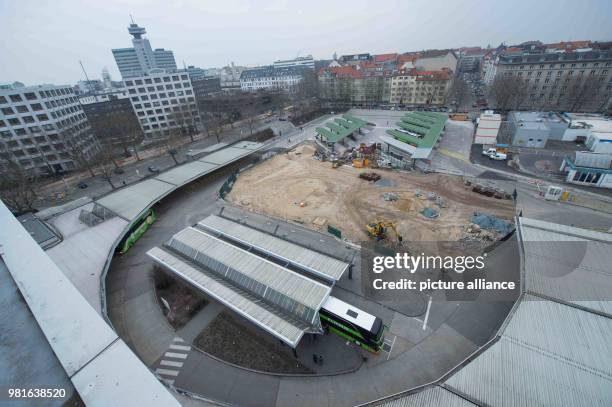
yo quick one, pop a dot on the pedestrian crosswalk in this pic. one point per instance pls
(171, 363)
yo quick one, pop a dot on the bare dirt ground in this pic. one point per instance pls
(246, 348)
(296, 187)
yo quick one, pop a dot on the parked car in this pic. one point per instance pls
(153, 169)
(489, 152)
(498, 157)
(82, 185)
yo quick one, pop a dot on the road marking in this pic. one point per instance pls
(175, 355)
(391, 349)
(170, 363)
(177, 339)
(167, 372)
(427, 314)
(180, 347)
(168, 381)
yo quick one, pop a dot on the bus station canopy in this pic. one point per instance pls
(315, 263)
(281, 301)
(342, 128)
(129, 202)
(420, 129)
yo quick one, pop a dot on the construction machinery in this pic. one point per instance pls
(378, 230)
(370, 176)
(361, 163)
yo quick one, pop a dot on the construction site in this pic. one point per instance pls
(342, 195)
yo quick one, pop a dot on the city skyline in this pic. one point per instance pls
(200, 34)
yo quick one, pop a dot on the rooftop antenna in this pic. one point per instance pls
(132, 18)
(89, 82)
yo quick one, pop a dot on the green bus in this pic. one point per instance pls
(353, 324)
(137, 230)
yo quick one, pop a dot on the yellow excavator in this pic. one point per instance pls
(378, 230)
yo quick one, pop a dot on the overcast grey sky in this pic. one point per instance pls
(42, 41)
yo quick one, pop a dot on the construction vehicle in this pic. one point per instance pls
(459, 117)
(378, 230)
(370, 176)
(361, 162)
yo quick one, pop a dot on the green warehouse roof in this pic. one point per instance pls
(343, 127)
(419, 129)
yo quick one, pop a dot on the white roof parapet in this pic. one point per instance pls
(311, 261)
(250, 307)
(290, 291)
(186, 173)
(131, 201)
(229, 154)
(94, 357)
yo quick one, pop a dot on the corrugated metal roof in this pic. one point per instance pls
(430, 397)
(568, 263)
(510, 374)
(561, 331)
(129, 202)
(550, 353)
(314, 262)
(186, 172)
(249, 306)
(249, 145)
(227, 155)
(289, 290)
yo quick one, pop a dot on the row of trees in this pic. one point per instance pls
(586, 93)
(99, 155)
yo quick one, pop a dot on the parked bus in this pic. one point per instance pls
(353, 324)
(137, 230)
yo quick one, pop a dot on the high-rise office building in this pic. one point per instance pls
(141, 58)
(44, 129)
(163, 102)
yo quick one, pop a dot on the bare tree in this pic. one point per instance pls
(17, 185)
(106, 162)
(77, 152)
(248, 110)
(458, 91)
(126, 133)
(184, 117)
(583, 93)
(509, 92)
(308, 86)
(173, 140)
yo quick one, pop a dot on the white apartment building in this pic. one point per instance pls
(270, 78)
(420, 87)
(307, 62)
(158, 98)
(42, 128)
